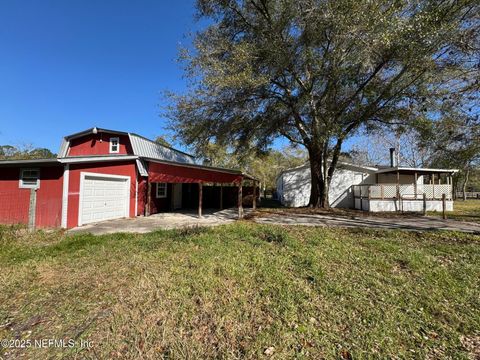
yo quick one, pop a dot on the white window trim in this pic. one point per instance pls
(118, 145)
(166, 191)
(21, 185)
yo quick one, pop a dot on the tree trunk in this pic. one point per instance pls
(464, 186)
(319, 185)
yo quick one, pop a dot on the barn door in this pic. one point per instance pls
(177, 196)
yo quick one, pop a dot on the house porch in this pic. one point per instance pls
(408, 190)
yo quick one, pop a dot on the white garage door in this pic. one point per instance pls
(103, 197)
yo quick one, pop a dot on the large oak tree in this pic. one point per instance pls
(317, 71)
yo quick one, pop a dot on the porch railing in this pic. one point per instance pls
(404, 191)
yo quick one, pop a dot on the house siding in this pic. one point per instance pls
(161, 204)
(141, 195)
(98, 144)
(15, 201)
(293, 187)
(404, 179)
(49, 197)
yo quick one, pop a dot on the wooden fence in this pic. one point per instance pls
(468, 194)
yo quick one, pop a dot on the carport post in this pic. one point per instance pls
(221, 196)
(149, 198)
(240, 198)
(200, 196)
(32, 209)
(254, 201)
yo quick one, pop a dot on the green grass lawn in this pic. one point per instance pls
(468, 210)
(238, 290)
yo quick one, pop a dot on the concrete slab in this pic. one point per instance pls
(144, 224)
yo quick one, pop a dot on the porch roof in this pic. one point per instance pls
(409, 170)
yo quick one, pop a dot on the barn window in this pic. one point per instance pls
(29, 178)
(114, 145)
(161, 190)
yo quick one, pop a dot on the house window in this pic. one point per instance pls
(161, 190)
(114, 145)
(29, 179)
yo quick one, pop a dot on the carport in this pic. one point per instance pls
(166, 172)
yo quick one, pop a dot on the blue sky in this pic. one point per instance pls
(69, 65)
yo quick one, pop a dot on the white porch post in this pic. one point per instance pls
(415, 185)
(449, 182)
(398, 184)
(433, 185)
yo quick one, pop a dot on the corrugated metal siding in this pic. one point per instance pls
(142, 168)
(63, 148)
(146, 148)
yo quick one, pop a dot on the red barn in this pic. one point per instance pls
(104, 174)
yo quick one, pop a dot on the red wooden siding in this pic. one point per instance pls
(15, 202)
(49, 197)
(98, 144)
(113, 168)
(158, 205)
(142, 195)
(180, 174)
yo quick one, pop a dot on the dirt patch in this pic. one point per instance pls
(472, 345)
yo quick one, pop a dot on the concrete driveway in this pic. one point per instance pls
(212, 217)
(415, 223)
(144, 224)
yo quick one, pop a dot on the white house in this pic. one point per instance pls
(375, 189)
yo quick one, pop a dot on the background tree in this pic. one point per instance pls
(317, 72)
(455, 142)
(9, 152)
(160, 139)
(373, 147)
(264, 166)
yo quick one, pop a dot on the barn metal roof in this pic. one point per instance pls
(150, 149)
(142, 167)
